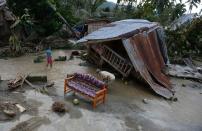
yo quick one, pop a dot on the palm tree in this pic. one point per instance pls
(193, 3)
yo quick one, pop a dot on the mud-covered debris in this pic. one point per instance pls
(31, 124)
(183, 72)
(10, 113)
(15, 83)
(21, 108)
(38, 59)
(61, 58)
(51, 84)
(8, 108)
(59, 106)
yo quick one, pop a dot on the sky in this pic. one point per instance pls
(194, 10)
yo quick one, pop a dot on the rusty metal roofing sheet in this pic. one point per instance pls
(146, 59)
(118, 30)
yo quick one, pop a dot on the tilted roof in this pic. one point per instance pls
(118, 30)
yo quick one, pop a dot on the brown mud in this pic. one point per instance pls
(124, 109)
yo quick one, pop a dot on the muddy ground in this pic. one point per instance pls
(124, 109)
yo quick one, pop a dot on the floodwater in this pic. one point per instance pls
(123, 110)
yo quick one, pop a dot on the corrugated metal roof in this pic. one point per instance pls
(186, 18)
(2, 2)
(118, 30)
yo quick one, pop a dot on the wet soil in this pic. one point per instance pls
(124, 109)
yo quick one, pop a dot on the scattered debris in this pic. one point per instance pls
(37, 78)
(9, 113)
(59, 106)
(189, 62)
(61, 58)
(50, 84)
(21, 108)
(38, 59)
(8, 108)
(31, 124)
(183, 72)
(17, 82)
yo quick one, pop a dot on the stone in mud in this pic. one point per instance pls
(75, 101)
(175, 99)
(146, 101)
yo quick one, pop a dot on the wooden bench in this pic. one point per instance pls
(88, 86)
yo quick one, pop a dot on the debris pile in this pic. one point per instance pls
(17, 82)
(59, 106)
(10, 110)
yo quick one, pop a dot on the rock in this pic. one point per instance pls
(174, 99)
(9, 113)
(146, 101)
(75, 101)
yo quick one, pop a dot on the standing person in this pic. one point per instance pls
(49, 57)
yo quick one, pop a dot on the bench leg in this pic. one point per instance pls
(94, 104)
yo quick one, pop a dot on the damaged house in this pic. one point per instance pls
(132, 47)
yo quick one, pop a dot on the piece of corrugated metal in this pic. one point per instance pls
(144, 59)
(148, 48)
(118, 30)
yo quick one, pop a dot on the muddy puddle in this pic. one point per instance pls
(123, 110)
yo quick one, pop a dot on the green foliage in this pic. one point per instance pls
(43, 12)
(153, 10)
(186, 39)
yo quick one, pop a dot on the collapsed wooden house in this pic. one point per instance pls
(132, 46)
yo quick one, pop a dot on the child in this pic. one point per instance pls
(49, 57)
